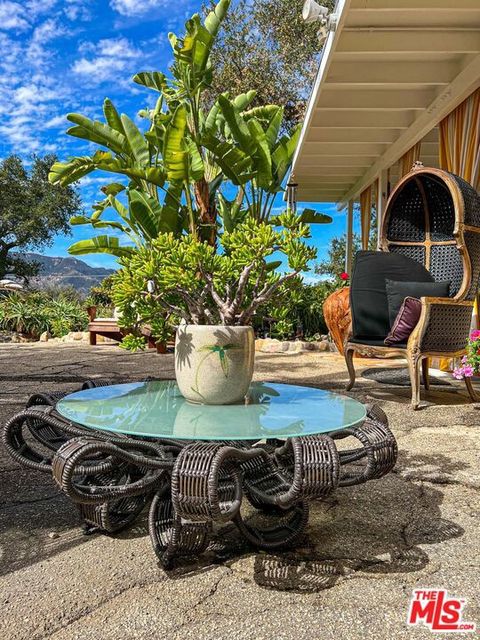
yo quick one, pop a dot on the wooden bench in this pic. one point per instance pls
(109, 328)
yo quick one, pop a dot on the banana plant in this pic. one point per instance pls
(172, 172)
(256, 157)
(169, 173)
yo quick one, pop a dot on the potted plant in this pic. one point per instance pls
(210, 295)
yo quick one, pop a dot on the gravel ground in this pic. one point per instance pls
(366, 547)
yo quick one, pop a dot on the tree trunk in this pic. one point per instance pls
(3, 261)
(207, 212)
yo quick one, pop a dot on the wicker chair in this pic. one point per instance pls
(432, 217)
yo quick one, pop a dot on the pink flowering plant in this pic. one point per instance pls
(470, 363)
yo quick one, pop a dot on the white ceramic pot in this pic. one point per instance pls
(214, 363)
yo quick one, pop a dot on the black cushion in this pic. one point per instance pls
(368, 296)
(398, 291)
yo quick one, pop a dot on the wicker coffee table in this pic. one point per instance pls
(113, 449)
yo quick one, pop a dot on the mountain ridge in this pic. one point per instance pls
(56, 271)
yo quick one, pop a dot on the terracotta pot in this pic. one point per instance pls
(336, 311)
(214, 364)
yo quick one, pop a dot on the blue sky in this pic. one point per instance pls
(61, 56)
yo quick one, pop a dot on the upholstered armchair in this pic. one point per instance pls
(432, 218)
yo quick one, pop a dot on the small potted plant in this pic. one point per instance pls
(211, 295)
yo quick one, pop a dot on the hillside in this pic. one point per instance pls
(66, 272)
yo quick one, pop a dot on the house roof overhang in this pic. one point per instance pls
(388, 74)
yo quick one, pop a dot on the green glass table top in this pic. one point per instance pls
(157, 410)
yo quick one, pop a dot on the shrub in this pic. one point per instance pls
(34, 312)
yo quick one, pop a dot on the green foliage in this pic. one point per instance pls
(32, 211)
(309, 310)
(176, 168)
(301, 314)
(185, 278)
(265, 45)
(334, 265)
(101, 294)
(133, 343)
(32, 313)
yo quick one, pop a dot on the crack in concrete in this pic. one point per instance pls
(9, 505)
(213, 590)
(86, 611)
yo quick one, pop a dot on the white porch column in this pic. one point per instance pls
(381, 201)
(349, 243)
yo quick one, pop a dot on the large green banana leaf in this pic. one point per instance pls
(98, 132)
(112, 116)
(235, 164)
(310, 216)
(136, 142)
(68, 172)
(174, 145)
(64, 173)
(151, 80)
(216, 16)
(100, 244)
(98, 224)
(230, 212)
(146, 212)
(283, 153)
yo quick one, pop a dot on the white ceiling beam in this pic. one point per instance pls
(403, 57)
(384, 40)
(353, 135)
(328, 180)
(396, 73)
(376, 98)
(343, 148)
(315, 196)
(337, 161)
(346, 173)
(431, 5)
(434, 19)
(465, 83)
(351, 117)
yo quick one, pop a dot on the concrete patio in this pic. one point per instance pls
(367, 547)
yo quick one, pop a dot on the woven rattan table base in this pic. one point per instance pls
(193, 487)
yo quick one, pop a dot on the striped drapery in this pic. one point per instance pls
(409, 158)
(366, 200)
(459, 152)
(460, 140)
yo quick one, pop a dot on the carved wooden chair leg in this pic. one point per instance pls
(425, 376)
(471, 391)
(414, 371)
(349, 353)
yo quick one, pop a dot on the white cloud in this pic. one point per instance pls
(47, 31)
(136, 7)
(12, 16)
(77, 10)
(107, 56)
(39, 7)
(55, 122)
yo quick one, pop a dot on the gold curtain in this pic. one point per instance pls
(460, 140)
(409, 158)
(366, 200)
(459, 152)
